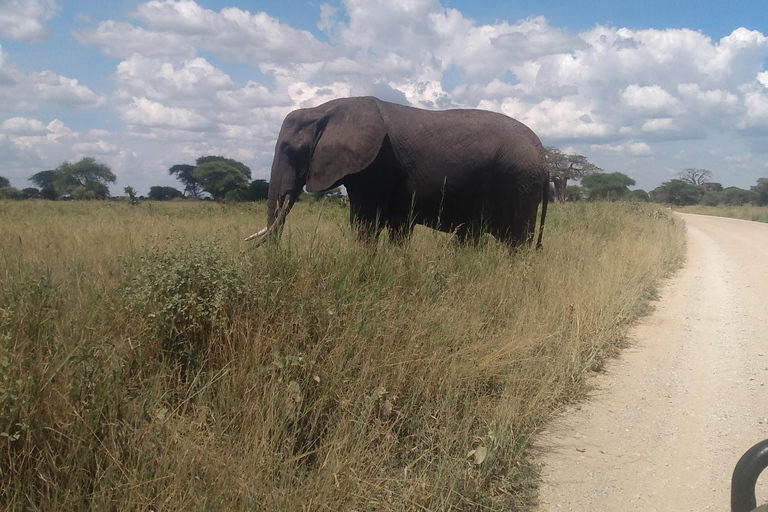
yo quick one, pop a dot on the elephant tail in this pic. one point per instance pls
(544, 201)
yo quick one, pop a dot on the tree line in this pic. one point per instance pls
(692, 185)
(225, 179)
(215, 177)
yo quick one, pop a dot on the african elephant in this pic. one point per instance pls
(462, 171)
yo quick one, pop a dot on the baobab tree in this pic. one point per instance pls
(564, 167)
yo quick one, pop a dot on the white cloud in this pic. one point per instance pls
(144, 112)
(182, 28)
(99, 147)
(161, 80)
(24, 20)
(651, 98)
(660, 124)
(23, 91)
(628, 148)
(55, 132)
(22, 126)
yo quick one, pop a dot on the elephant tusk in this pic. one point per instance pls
(277, 224)
(256, 235)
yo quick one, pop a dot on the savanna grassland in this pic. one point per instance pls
(746, 212)
(149, 362)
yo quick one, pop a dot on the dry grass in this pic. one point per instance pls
(755, 213)
(147, 362)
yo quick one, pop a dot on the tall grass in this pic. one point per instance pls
(747, 212)
(147, 361)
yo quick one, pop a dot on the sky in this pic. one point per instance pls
(644, 88)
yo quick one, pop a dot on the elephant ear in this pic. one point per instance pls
(349, 142)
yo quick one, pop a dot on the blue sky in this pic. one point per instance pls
(644, 88)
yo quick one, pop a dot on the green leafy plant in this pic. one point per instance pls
(187, 293)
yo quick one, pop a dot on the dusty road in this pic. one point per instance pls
(668, 420)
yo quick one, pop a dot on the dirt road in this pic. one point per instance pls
(668, 420)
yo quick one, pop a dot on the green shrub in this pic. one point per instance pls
(187, 293)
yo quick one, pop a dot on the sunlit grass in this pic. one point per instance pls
(148, 361)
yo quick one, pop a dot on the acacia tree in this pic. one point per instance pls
(613, 186)
(220, 176)
(183, 173)
(160, 193)
(213, 174)
(677, 192)
(85, 179)
(564, 167)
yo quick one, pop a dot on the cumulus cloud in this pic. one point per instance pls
(24, 91)
(182, 28)
(99, 147)
(55, 131)
(627, 148)
(24, 20)
(161, 80)
(145, 112)
(22, 126)
(650, 98)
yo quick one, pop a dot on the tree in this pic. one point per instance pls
(183, 173)
(761, 192)
(31, 193)
(158, 193)
(4, 182)
(735, 196)
(220, 176)
(711, 198)
(613, 186)
(214, 168)
(46, 180)
(131, 193)
(85, 179)
(10, 193)
(257, 190)
(677, 192)
(713, 186)
(638, 195)
(574, 193)
(564, 167)
(695, 176)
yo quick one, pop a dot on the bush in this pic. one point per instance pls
(188, 294)
(11, 193)
(711, 198)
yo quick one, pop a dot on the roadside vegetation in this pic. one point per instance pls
(149, 362)
(746, 212)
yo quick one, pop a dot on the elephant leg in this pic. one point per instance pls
(366, 222)
(521, 229)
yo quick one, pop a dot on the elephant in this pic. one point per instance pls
(461, 171)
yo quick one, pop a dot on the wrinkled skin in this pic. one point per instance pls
(462, 171)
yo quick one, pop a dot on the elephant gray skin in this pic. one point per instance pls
(463, 171)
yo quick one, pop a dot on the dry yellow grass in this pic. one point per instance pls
(747, 212)
(149, 362)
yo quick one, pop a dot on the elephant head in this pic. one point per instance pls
(318, 147)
